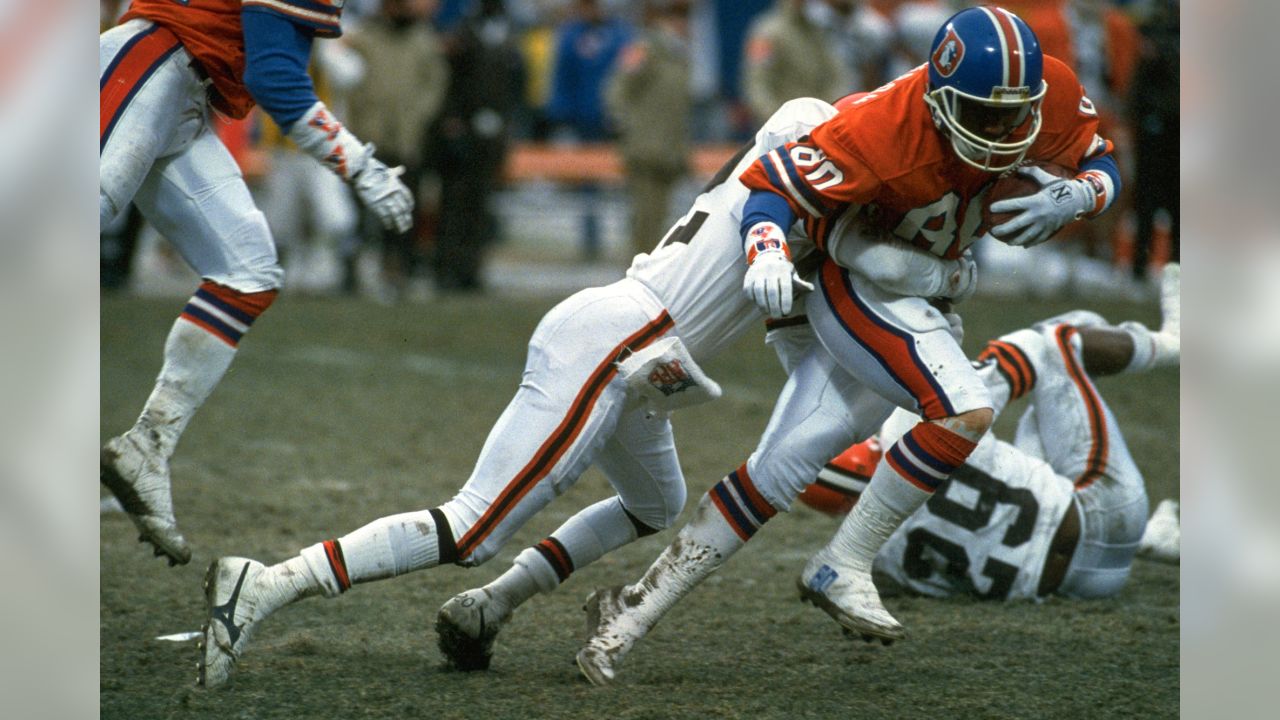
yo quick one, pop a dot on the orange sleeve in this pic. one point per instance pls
(816, 173)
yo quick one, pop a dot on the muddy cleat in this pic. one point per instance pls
(850, 598)
(610, 635)
(234, 597)
(466, 627)
(140, 481)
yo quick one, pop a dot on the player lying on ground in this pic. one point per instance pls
(1061, 510)
(603, 369)
(164, 71)
(1008, 523)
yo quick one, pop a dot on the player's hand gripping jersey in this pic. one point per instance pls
(883, 158)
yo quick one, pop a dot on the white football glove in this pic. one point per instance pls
(771, 281)
(381, 190)
(321, 135)
(1059, 202)
(962, 282)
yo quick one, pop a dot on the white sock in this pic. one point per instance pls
(384, 548)
(699, 550)
(194, 362)
(880, 510)
(582, 539)
(289, 581)
(919, 462)
(528, 576)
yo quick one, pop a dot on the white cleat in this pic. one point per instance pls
(610, 635)
(850, 598)
(1162, 540)
(235, 600)
(140, 481)
(1171, 299)
(466, 627)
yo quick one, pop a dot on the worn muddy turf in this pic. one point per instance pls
(335, 413)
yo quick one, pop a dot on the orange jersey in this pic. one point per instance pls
(883, 157)
(210, 30)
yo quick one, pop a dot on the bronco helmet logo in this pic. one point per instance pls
(949, 53)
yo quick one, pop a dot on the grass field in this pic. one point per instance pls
(335, 413)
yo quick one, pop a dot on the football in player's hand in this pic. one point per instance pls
(1014, 184)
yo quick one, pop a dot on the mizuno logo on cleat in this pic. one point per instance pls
(226, 613)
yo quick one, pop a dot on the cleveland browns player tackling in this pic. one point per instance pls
(604, 368)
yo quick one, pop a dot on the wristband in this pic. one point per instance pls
(1095, 184)
(765, 237)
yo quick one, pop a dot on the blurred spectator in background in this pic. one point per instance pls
(586, 48)
(468, 143)
(403, 90)
(649, 99)
(914, 24)
(789, 55)
(313, 216)
(587, 44)
(1100, 43)
(861, 37)
(1154, 114)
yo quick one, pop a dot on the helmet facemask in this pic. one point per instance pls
(969, 120)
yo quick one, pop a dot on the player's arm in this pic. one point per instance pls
(899, 268)
(277, 52)
(796, 180)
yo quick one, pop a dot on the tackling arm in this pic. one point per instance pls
(897, 267)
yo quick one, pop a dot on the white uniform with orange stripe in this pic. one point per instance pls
(988, 530)
(573, 410)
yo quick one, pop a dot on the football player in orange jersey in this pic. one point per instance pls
(909, 162)
(163, 72)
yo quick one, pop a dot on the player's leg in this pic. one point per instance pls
(198, 199)
(150, 105)
(820, 411)
(901, 348)
(640, 460)
(567, 405)
(1082, 441)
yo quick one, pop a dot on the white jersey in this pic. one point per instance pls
(697, 270)
(985, 532)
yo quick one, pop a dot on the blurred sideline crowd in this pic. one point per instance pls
(575, 106)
